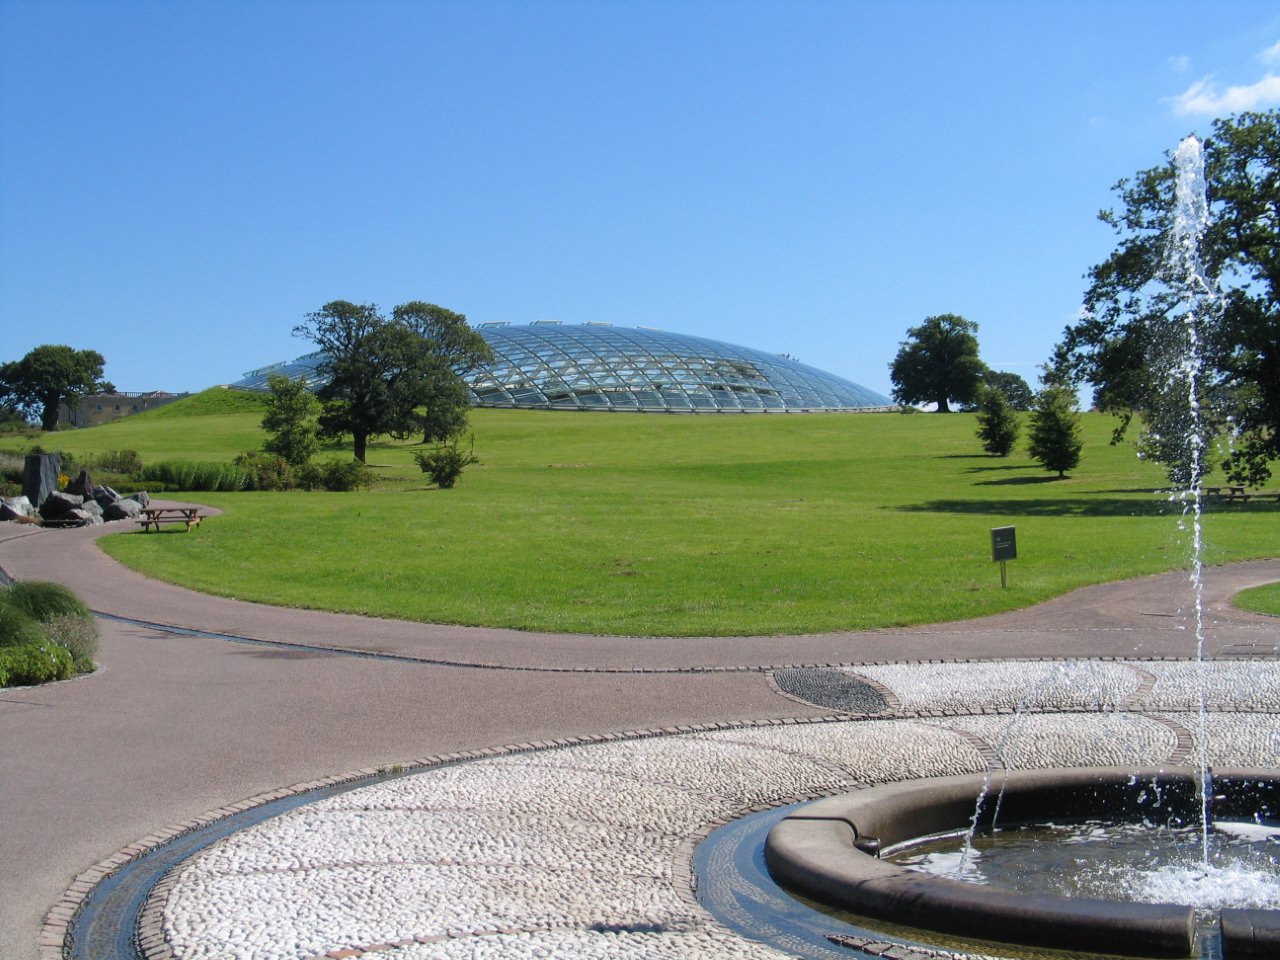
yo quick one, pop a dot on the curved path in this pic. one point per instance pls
(177, 724)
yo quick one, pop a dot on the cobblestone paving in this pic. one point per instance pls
(583, 850)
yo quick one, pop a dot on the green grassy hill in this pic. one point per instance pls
(674, 525)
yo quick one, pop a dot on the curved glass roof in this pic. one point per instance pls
(597, 366)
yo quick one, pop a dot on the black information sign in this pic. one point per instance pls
(1004, 543)
(1004, 546)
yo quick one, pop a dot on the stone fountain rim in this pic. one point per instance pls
(818, 851)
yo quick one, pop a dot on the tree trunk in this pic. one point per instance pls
(49, 414)
(942, 406)
(361, 441)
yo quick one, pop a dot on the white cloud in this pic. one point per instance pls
(1202, 97)
(1181, 64)
(1271, 54)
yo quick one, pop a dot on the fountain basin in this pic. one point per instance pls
(826, 851)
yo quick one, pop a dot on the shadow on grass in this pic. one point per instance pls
(1015, 481)
(1004, 467)
(1083, 507)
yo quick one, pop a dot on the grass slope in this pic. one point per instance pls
(682, 525)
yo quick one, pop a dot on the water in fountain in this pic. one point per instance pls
(1177, 433)
(1190, 220)
(1085, 682)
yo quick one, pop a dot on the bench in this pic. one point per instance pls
(154, 516)
(1238, 493)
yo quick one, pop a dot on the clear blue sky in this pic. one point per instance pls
(180, 182)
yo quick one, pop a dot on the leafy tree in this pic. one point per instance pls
(1015, 389)
(365, 359)
(445, 403)
(938, 363)
(50, 375)
(443, 396)
(1139, 305)
(382, 373)
(291, 419)
(998, 426)
(1055, 439)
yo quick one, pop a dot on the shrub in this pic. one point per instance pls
(35, 611)
(336, 475)
(116, 461)
(445, 463)
(78, 636)
(266, 471)
(37, 662)
(194, 475)
(44, 601)
(16, 628)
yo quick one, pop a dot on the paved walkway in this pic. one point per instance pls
(176, 725)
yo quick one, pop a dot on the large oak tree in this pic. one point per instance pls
(938, 363)
(51, 375)
(389, 375)
(1139, 303)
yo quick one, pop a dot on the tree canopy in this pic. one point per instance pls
(1139, 303)
(442, 402)
(389, 375)
(1015, 389)
(50, 375)
(938, 363)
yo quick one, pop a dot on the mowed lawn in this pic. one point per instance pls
(679, 525)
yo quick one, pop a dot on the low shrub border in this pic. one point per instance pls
(46, 633)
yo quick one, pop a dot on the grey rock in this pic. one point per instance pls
(105, 496)
(78, 516)
(122, 509)
(141, 498)
(82, 485)
(92, 508)
(40, 476)
(57, 503)
(13, 508)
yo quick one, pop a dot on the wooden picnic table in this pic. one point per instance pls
(154, 516)
(1238, 493)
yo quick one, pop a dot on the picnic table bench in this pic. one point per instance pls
(1238, 493)
(154, 516)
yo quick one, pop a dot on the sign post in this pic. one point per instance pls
(1004, 546)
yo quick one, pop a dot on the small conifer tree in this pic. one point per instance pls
(998, 426)
(1055, 439)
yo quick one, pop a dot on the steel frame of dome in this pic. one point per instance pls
(597, 366)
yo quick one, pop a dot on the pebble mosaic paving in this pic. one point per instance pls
(582, 851)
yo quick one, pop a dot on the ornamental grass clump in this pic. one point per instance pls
(43, 601)
(46, 633)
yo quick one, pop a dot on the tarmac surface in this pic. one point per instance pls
(174, 725)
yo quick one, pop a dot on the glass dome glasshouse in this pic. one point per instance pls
(597, 366)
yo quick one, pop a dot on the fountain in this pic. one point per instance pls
(831, 850)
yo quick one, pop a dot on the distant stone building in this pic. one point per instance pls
(103, 407)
